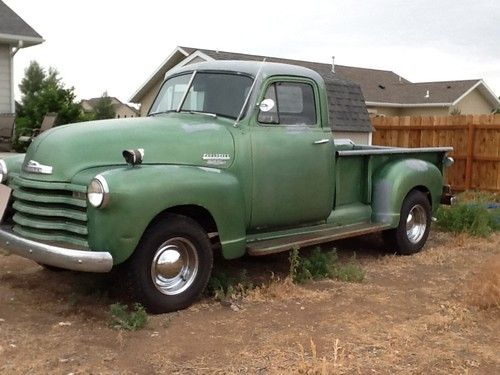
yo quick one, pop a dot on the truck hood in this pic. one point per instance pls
(185, 139)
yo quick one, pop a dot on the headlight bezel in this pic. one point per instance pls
(100, 192)
(3, 170)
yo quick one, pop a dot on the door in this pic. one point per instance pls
(292, 156)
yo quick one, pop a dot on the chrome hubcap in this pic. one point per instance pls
(175, 266)
(416, 223)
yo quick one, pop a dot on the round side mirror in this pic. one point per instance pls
(266, 105)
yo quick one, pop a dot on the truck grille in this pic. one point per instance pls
(50, 211)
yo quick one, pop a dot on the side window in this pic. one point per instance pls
(294, 104)
(271, 114)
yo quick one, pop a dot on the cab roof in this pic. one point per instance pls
(251, 67)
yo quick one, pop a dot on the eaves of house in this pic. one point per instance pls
(14, 30)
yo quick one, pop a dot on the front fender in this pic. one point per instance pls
(395, 180)
(138, 194)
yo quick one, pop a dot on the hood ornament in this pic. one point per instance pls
(35, 167)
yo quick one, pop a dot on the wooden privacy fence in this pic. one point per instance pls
(475, 140)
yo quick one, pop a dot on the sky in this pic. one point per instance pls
(115, 46)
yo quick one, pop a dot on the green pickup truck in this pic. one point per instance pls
(236, 157)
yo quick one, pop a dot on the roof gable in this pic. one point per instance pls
(13, 28)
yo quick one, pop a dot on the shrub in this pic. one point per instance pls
(124, 318)
(322, 265)
(471, 218)
(349, 272)
(222, 285)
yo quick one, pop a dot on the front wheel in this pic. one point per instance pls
(414, 224)
(171, 265)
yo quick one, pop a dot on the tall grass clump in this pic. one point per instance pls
(471, 218)
(223, 285)
(323, 265)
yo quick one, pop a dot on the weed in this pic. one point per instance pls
(350, 272)
(222, 285)
(471, 218)
(322, 265)
(124, 318)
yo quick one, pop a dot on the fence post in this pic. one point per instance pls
(470, 153)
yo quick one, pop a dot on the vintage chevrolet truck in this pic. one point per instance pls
(236, 157)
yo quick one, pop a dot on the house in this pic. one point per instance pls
(122, 110)
(15, 34)
(385, 92)
(348, 115)
(395, 96)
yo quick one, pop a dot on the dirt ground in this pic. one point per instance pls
(411, 315)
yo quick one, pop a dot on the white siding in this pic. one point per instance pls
(5, 89)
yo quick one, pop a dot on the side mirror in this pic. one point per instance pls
(266, 105)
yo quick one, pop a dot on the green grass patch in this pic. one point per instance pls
(472, 218)
(323, 265)
(128, 319)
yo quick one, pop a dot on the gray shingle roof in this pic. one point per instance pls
(347, 105)
(380, 86)
(13, 25)
(416, 93)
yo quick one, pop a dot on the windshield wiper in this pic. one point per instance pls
(162, 112)
(214, 115)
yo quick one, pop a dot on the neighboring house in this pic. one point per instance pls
(430, 98)
(348, 115)
(385, 92)
(15, 34)
(122, 110)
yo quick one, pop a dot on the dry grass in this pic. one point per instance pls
(282, 290)
(484, 285)
(311, 364)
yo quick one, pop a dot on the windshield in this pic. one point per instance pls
(221, 94)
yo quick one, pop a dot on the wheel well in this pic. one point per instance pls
(199, 214)
(426, 191)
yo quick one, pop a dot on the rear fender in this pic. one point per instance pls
(394, 181)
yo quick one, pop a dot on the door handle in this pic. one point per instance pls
(321, 141)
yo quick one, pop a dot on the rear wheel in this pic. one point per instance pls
(171, 266)
(414, 224)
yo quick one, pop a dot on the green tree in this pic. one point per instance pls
(104, 108)
(42, 92)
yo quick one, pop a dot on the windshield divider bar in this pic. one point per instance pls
(186, 93)
(249, 93)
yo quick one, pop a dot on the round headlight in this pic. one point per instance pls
(3, 171)
(97, 192)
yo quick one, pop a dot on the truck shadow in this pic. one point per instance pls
(90, 295)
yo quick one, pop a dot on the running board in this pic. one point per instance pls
(277, 245)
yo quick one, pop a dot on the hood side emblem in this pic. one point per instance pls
(216, 159)
(35, 167)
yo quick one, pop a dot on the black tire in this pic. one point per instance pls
(153, 272)
(416, 214)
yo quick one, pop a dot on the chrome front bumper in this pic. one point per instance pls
(77, 260)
